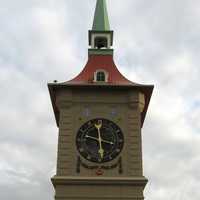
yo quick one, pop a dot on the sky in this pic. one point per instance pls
(155, 42)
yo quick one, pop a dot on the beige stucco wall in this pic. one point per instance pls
(100, 103)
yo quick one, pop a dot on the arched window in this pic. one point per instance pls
(100, 76)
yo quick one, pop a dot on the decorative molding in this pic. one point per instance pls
(100, 51)
(104, 167)
(70, 180)
(100, 197)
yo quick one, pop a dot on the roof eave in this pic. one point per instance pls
(148, 93)
(51, 88)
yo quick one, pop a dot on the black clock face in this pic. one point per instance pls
(99, 140)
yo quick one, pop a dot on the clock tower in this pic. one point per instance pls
(100, 115)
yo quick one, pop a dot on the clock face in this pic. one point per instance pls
(99, 140)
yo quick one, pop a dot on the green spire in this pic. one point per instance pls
(101, 21)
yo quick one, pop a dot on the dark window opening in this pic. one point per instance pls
(101, 42)
(101, 76)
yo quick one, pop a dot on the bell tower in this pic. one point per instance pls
(101, 37)
(100, 115)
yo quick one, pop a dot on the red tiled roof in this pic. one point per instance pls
(103, 62)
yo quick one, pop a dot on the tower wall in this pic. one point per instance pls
(75, 180)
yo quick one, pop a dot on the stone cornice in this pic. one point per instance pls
(67, 180)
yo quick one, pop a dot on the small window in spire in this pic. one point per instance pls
(100, 76)
(101, 42)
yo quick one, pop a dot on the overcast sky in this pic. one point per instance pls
(156, 42)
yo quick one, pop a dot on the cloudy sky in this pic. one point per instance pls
(156, 42)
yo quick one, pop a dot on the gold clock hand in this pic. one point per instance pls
(94, 138)
(108, 142)
(98, 126)
(101, 151)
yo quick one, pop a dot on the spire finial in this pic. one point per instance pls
(101, 21)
